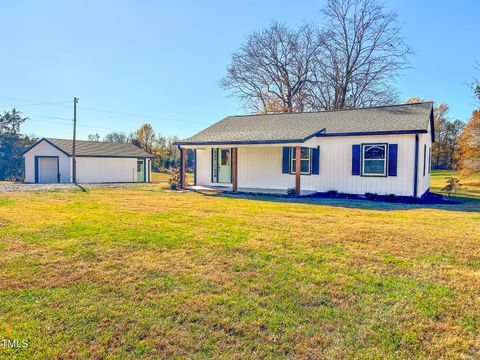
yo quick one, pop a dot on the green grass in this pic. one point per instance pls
(142, 272)
(470, 185)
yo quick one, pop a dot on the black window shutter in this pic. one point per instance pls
(316, 160)
(424, 158)
(286, 160)
(392, 159)
(355, 159)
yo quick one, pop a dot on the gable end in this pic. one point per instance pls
(48, 142)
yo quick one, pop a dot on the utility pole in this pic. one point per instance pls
(74, 161)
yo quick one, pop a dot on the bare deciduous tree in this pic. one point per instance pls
(360, 57)
(118, 137)
(352, 62)
(94, 137)
(271, 68)
(476, 83)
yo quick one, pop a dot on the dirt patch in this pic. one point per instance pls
(54, 187)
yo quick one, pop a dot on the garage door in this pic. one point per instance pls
(47, 170)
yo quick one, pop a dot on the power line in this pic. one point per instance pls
(136, 115)
(48, 122)
(40, 102)
(54, 117)
(15, 98)
(60, 104)
(70, 123)
(35, 104)
(69, 120)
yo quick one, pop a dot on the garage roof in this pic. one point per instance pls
(96, 148)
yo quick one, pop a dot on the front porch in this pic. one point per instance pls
(259, 168)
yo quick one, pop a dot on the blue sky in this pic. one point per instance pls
(162, 60)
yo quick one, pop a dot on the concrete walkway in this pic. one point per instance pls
(221, 189)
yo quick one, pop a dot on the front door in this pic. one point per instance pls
(224, 165)
(47, 170)
(141, 170)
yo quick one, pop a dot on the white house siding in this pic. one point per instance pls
(45, 149)
(104, 169)
(261, 167)
(425, 141)
(336, 166)
(203, 166)
(149, 170)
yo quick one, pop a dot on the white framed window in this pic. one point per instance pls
(374, 161)
(305, 160)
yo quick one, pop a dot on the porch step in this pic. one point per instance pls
(215, 189)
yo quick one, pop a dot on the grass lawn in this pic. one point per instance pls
(125, 273)
(470, 186)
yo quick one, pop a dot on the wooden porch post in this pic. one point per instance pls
(234, 169)
(182, 168)
(297, 169)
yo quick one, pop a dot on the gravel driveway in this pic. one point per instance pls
(44, 187)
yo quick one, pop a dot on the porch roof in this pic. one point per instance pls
(299, 127)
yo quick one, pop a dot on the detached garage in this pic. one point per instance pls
(50, 161)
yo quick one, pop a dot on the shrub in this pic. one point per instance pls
(175, 179)
(165, 170)
(453, 184)
(391, 198)
(412, 200)
(332, 193)
(291, 191)
(371, 196)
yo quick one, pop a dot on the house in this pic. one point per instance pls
(50, 161)
(383, 150)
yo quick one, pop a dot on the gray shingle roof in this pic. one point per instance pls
(99, 148)
(298, 127)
